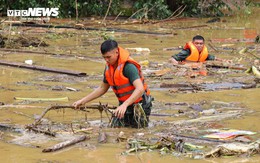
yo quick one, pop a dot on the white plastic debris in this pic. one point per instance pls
(143, 51)
(29, 62)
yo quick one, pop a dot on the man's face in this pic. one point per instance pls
(199, 44)
(111, 56)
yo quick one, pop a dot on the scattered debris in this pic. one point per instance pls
(42, 68)
(42, 99)
(235, 149)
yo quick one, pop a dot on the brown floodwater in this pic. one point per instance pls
(16, 82)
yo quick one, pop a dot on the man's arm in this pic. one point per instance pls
(102, 89)
(211, 58)
(138, 92)
(181, 56)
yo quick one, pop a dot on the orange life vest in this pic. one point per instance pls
(118, 82)
(195, 56)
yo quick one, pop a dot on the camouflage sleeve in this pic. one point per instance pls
(181, 56)
(211, 57)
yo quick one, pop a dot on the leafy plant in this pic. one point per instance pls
(151, 9)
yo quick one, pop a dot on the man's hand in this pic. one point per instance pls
(173, 61)
(120, 111)
(77, 104)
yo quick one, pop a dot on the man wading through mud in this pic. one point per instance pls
(194, 51)
(124, 76)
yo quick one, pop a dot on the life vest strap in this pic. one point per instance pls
(124, 94)
(121, 86)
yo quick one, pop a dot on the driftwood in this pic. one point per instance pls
(4, 127)
(90, 29)
(18, 106)
(42, 68)
(41, 99)
(37, 130)
(90, 58)
(65, 144)
(99, 107)
(216, 64)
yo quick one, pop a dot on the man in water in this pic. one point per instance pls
(124, 76)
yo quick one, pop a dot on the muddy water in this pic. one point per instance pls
(16, 82)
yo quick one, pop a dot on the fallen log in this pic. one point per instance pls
(90, 29)
(42, 68)
(216, 64)
(94, 59)
(191, 27)
(42, 99)
(65, 144)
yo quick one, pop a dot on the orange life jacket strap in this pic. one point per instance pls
(124, 94)
(121, 86)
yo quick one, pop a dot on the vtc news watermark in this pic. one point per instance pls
(34, 13)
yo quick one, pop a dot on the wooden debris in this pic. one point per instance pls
(42, 68)
(42, 99)
(82, 108)
(37, 130)
(90, 29)
(255, 71)
(102, 137)
(18, 106)
(65, 144)
(162, 72)
(232, 149)
(217, 64)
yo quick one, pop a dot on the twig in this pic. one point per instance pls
(172, 17)
(72, 128)
(118, 15)
(109, 5)
(180, 12)
(253, 55)
(20, 113)
(173, 13)
(213, 47)
(136, 13)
